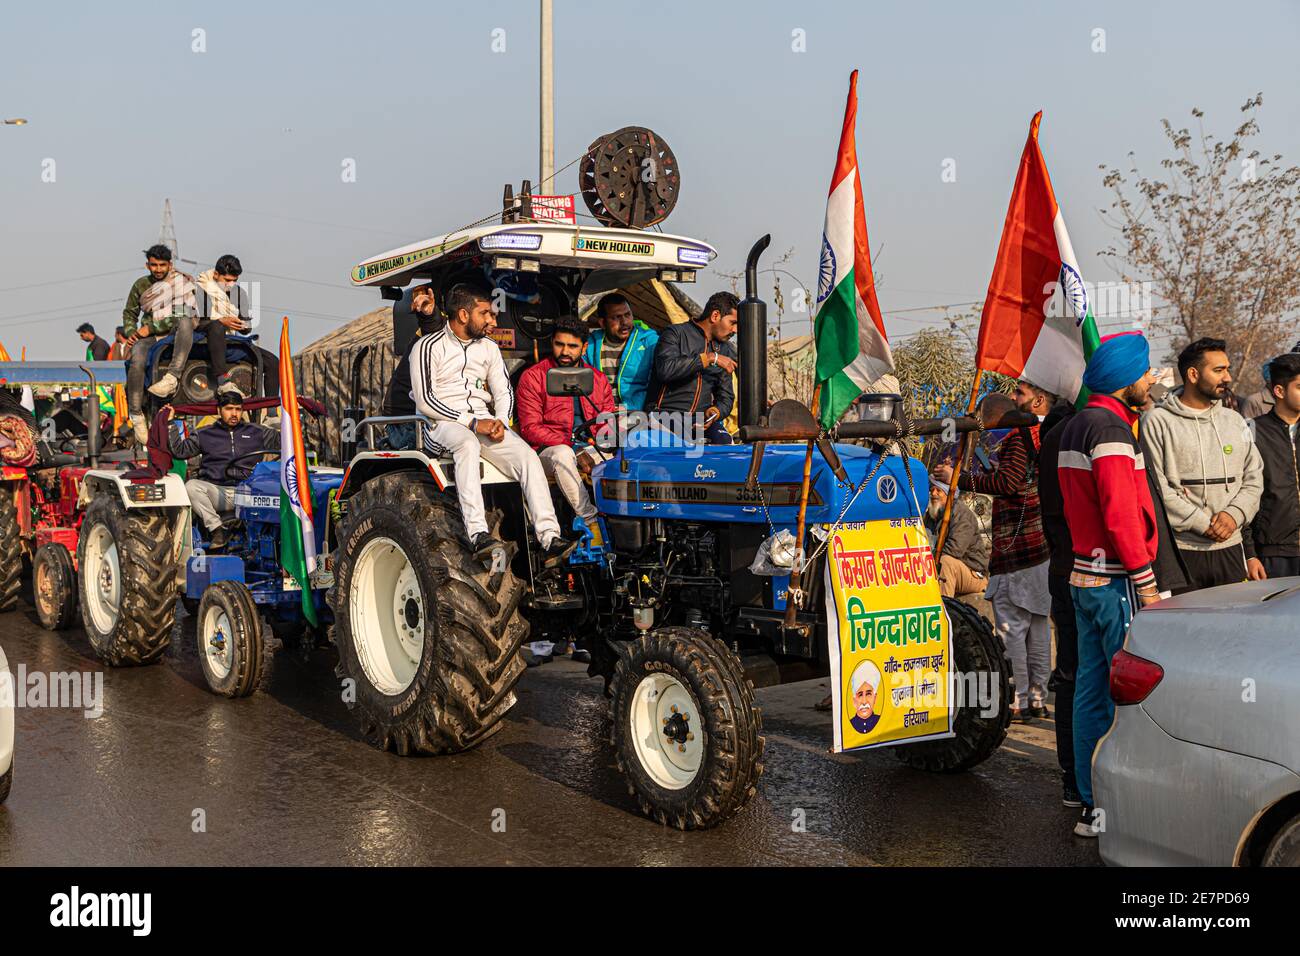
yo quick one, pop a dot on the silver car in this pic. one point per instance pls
(1201, 764)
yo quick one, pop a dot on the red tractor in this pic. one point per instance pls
(41, 482)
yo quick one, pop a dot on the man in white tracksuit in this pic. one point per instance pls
(458, 379)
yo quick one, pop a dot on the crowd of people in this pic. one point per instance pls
(1097, 512)
(1103, 510)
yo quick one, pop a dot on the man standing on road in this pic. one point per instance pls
(96, 348)
(158, 303)
(550, 423)
(693, 364)
(1274, 535)
(623, 349)
(1018, 571)
(1059, 567)
(1207, 467)
(459, 380)
(1111, 517)
(230, 448)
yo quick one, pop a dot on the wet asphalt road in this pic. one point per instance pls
(284, 778)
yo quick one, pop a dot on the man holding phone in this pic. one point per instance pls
(693, 365)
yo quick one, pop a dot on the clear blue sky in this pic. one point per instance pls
(437, 122)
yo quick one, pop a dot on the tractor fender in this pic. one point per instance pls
(173, 494)
(369, 465)
(174, 498)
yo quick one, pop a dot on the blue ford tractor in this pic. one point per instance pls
(677, 624)
(136, 539)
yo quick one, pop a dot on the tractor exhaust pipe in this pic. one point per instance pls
(92, 420)
(752, 330)
(353, 413)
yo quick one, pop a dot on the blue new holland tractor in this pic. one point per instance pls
(677, 624)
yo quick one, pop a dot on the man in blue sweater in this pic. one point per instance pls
(623, 349)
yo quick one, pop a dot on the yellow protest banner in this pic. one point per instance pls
(890, 652)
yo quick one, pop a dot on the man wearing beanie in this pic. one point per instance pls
(1112, 524)
(1207, 467)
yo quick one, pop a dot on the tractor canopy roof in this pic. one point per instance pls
(606, 258)
(62, 374)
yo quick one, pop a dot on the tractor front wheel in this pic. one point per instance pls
(54, 586)
(232, 649)
(686, 731)
(982, 720)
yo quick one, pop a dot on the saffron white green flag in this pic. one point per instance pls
(852, 349)
(297, 528)
(1037, 322)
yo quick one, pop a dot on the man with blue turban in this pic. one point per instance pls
(1112, 522)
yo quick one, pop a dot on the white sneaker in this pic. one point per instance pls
(141, 431)
(165, 386)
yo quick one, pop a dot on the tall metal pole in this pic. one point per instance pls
(544, 184)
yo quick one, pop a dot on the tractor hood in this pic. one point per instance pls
(257, 499)
(707, 483)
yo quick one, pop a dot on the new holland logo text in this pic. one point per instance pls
(625, 247)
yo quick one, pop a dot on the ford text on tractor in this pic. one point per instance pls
(688, 602)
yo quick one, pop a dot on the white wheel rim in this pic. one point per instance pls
(215, 635)
(103, 574)
(667, 731)
(386, 610)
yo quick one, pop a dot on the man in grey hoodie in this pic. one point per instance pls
(1206, 465)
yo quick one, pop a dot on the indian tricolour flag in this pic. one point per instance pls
(852, 350)
(297, 530)
(1037, 322)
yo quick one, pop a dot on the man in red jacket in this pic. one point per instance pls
(552, 424)
(1112, 523)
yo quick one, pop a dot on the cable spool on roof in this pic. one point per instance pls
(629, 178)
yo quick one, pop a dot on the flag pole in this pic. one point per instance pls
(963, 450)
(795, 574)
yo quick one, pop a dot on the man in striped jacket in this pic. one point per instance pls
(458, 379)
(1112, 522)
(1017, 587)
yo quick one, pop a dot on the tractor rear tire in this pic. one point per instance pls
(6, 783)
(428, 637)
(11, 549)
(975, 650)
(687, 734)
(127, 581)
(231, 640)
(54, 586)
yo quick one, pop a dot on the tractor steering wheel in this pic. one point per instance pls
(238, 476)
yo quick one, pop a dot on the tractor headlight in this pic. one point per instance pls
(142, 493)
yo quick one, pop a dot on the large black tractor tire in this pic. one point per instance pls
(129, 613)
(231, 640)
(687, 734)
(11, 549)
(428, 638)
(54, 586)
(975, 650)
(7, 782)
